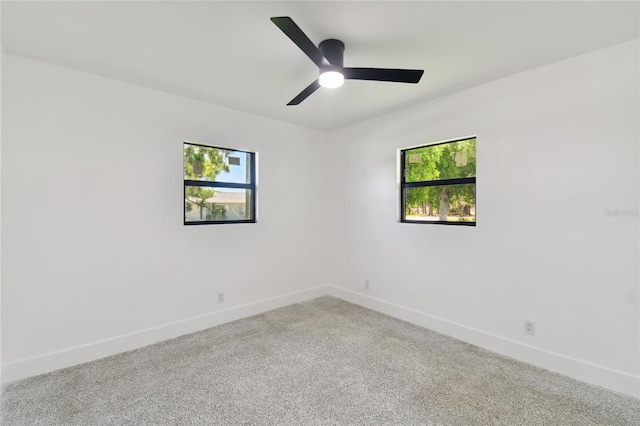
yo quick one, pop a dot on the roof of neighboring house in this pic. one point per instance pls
(227, 198)
(222, 198)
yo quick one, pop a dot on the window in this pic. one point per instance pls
(438, 183)
(219, 185)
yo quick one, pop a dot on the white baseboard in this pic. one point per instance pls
(578, 369)
(617, 381)
(90, 352)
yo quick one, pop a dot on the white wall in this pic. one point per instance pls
(556, 147)
(95, 248)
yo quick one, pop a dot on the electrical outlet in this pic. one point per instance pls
(367, 285)
(220, 297)
(530, 327)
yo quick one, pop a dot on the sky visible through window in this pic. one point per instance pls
(236, 173)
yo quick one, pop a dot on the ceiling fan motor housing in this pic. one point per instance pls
(333, 51)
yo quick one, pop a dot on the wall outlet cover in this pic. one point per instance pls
(530, 327)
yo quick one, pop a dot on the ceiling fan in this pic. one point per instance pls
(328, 56)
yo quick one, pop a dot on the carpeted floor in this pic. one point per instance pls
(322, 362)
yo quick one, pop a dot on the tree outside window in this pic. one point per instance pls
(438, 183)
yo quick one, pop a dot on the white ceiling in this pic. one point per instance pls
(231, 54)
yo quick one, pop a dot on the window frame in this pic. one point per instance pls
(215, 184)
(425, 183)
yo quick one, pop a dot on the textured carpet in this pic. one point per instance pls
(325, 361)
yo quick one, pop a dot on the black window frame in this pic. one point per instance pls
(441, 182)
(215, 184)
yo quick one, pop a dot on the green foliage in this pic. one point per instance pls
(438, 162)
(212, 160)
(203, 163)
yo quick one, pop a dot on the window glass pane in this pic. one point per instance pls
(444, 161)
(220, 204)
(216, 164)
(451, 203)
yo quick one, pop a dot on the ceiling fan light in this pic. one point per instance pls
(331, 79)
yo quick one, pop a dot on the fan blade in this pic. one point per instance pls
(301, 40)
(383, 74)
(305, 93)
